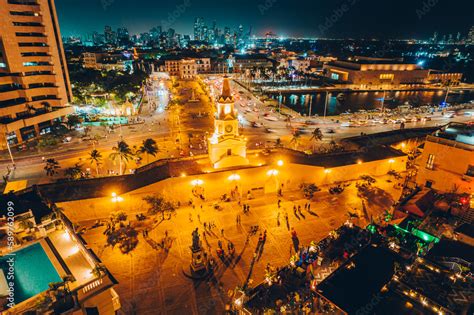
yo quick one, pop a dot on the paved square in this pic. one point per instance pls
(151, 281)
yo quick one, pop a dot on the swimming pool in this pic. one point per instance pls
(33, 272)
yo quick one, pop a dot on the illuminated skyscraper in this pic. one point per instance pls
(34, 80)
(470, 36)
(109, 34)
(198, 28)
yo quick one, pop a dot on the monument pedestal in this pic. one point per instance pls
(198, 260)
(199, 267)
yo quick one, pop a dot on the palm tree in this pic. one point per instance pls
(317, 135)
(74, 172)
(149, 147)
(73, 120)
(122, 152)
(296, 139)
(95, 157)
(51, 167)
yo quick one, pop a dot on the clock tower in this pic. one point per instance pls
(227, 148)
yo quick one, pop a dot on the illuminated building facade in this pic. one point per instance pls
(54, 249)
(437, 168)
(370, 71)
(34, 81)
(227, 147)
(187, 68)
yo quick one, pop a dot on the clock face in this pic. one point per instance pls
(228, 128)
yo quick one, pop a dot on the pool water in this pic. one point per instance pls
(33, 272)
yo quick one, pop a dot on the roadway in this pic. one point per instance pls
(182, 130)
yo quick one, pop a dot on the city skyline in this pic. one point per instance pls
(341, 19)
(245, 157)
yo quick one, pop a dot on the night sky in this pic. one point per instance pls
(350, 18)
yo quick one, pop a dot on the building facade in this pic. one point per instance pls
(444, 78)
(47, 237)
(34, 81)
(187, 68)
(244, 62)
(301, 64)
(372, 71)
(436, 166)
(106, 62)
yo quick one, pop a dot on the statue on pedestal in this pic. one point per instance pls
(199, 263)
(196, 241)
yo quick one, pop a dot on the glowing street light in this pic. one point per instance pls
(116, 198)
(234, 177)
(280, 163)
(272, 172)
(327, 171)
(391, 161)
(197, 182)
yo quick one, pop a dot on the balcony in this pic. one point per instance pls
(39, 93)
(11, 111)
(10, 87)
(45, 67)
(11, 95)
(36, 58)
(31, 41)
(37, 117)
(24, 2)
(11, 102)
(39, 78)
(35, 30)
(27, 49)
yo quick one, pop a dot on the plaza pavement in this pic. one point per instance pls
(151, 281)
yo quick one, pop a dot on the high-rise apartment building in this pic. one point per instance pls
(470, 36)
(34, 82)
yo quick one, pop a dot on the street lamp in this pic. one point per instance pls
(9, 150)
(116, 198)
(234, 177)
(280, 163)
(197, 182)
(272, 172)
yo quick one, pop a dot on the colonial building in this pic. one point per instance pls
(227, 147)
(187, 68)
(34, 81)
(447, 161)
(106, 61)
